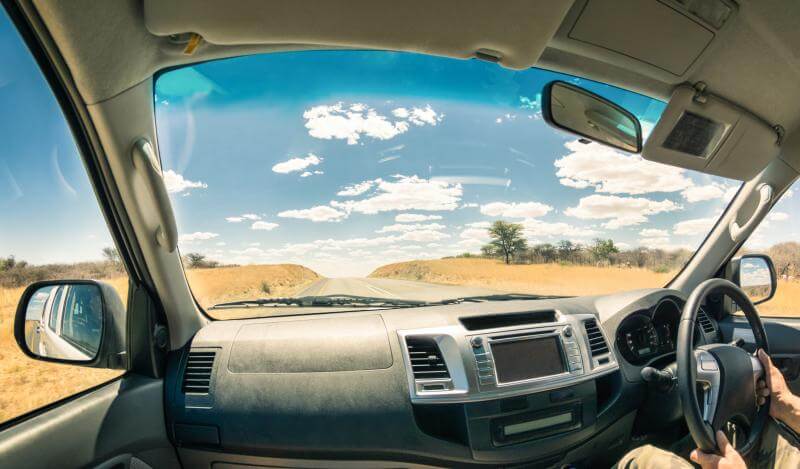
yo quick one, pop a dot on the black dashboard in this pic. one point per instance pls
(545, 382)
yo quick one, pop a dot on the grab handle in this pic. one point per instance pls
(144, 161)
(765, 194)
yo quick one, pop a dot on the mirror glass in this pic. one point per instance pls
(65, 322)
(755, 278)
(584, 113)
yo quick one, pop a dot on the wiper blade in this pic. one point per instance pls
(323, 301)
(509, 297)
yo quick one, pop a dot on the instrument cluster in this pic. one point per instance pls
(648, 334)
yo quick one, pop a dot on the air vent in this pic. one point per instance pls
(197, 375)
(426, 358)
(597, 343)
(705, 322)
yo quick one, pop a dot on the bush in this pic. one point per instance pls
(265, 287)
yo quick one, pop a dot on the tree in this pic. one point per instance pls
(545, 252)
(567, 250)
(195, 259)
(111, 254)
(506, 240)
(603, 249)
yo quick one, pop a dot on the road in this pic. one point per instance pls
(386, 288)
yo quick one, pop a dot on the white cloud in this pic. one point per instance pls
(296, 164)
(778, 216)
(349, 123)
(612, 172)
(479, 224)
(175, 183)
(694, 227)
(406, 193)
(653, 233)
(424, 236)
(403, 228)
(709, 191)
(221, 243)
(539, 228)
(356, 189)
(263, 226)
(663, 243)
(620, 211)
(197, 236)
(415, 217)
(515, 210)
(243, 217)
(319, 213)
(306, 174)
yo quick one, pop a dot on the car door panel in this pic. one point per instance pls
(110, 426)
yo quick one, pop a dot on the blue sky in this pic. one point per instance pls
(348, 160)
(344, 161)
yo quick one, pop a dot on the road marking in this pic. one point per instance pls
(378, 289)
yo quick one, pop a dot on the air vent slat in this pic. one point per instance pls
(197, 375)
(426, 358)
(597, 342)
(705, 322)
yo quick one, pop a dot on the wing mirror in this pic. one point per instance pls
(581, 112)
(755, 274)
(72, 321)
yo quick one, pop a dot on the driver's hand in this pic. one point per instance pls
(730, 459)
(784, 405)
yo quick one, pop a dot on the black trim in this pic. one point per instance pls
(548, 116)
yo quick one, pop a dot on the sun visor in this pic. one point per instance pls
(706, 133)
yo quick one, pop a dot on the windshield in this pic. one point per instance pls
(411, 177)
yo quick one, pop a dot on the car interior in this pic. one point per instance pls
(425, 384)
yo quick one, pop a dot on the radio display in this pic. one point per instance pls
(518, 360)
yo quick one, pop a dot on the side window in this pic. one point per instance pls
(51, 227)
(778, 236)
(54, 307)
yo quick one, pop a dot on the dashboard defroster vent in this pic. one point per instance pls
(705, 324)
(199, 368)
(597, 343)
(426, 358)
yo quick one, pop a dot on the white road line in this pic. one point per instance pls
(378, 289)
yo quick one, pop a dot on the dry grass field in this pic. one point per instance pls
(27, 384)
(556, 279)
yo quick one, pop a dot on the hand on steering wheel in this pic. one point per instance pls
(728, 458)
(727, 374)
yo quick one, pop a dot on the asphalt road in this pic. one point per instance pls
(397, 289)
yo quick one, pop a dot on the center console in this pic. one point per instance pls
(512, 384)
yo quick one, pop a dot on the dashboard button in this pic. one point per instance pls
(568, 331)
(477, 342)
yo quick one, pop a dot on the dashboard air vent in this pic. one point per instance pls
(597, 343)
(197, 375)
(704, 322)
(426, 358)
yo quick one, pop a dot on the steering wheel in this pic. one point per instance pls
(726, 374)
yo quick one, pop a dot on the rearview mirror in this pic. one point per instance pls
(755, 274)
(579, 111)
(72, 321)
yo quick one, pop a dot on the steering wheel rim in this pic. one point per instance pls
(731, 364)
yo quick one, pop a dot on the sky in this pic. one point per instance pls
(347, 160)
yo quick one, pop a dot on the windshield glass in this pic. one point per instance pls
(411, 177)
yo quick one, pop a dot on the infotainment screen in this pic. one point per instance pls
(522, 359)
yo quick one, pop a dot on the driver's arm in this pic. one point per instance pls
(784, 405)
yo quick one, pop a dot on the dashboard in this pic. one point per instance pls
(544, 382)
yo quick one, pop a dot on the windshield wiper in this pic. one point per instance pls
(326, 301)
(508, 297)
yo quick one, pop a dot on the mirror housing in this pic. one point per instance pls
(81, 322)
(581, 112)
(755, 274)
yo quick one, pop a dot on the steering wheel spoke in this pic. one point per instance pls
(708, 376)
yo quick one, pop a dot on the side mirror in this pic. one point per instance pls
(755, 274)
(578, 111)
(72, 321)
